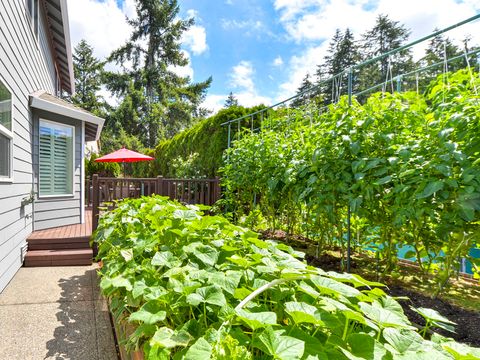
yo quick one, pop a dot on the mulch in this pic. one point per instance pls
(468, 322)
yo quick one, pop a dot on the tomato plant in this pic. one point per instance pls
(406, 164)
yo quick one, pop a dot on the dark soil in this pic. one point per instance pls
(468, 322)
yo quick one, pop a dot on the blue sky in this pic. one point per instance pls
(260, 50)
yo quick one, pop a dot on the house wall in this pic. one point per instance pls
(65, 210)
(26, 65)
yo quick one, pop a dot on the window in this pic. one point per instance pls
(56, 159)
(33, 11)
(6, 133)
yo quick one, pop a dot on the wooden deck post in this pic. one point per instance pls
(217, 191)
(95, 202)
(159, 185)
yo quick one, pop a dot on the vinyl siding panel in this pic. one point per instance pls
(26, 65)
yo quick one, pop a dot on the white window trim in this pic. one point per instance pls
(9, 134)
(72, 194)
(31, 20)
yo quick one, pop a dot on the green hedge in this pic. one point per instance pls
(207, 138)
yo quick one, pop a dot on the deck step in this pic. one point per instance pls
(56, 244)
(58, 257)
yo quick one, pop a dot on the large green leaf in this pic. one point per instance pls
(330, 286)
(227, 280)
(165, 258)
(383, 316)
(208, 294)
(205, 253)
(201, 350)
(366, 347)
(168, 338)
(150, 313)
(185, 215)
(280, 346)
(436, 318)
(302, 312)
(116, 282)
(403, 340)
(430, 189)
(257, 320)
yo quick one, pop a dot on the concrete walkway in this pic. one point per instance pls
(55, 313)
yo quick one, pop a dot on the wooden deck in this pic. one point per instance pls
(60, 246)
(66, 232)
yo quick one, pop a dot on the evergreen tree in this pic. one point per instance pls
(231, 101)
(303, 91)
(169, 101)
(439, 48)
(325, 70)
(88, 72)
(385, 36)
(343, 53)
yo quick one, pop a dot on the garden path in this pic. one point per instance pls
(55, 313)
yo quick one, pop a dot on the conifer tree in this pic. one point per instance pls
(148, 60)
(303, 91)
(88, 72)
(386, 35)
(231, 101)
(343, 53)
(438, 50)
(325, 69)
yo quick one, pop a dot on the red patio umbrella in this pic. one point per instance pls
(123, 156)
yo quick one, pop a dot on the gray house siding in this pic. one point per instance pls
(62, 210)
(26, 65)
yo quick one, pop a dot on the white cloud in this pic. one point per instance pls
(241, 79)
(311, 22)
(101, 24)
(192, 13)
(248, 99)
(214, 102)
(317, 19)
(231, 24)
(299, 66)
(291, 8)
(195, 39)
(130, 8)
(278, 61)
(241, 76)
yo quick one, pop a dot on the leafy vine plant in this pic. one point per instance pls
(186, 285)
(406, 164)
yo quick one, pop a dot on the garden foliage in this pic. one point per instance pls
(406, 164)
(198, 287)
(207, 138)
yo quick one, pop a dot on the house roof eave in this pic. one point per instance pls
(41, 100)
(58, 22)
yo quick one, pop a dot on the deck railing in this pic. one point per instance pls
(104, 191)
